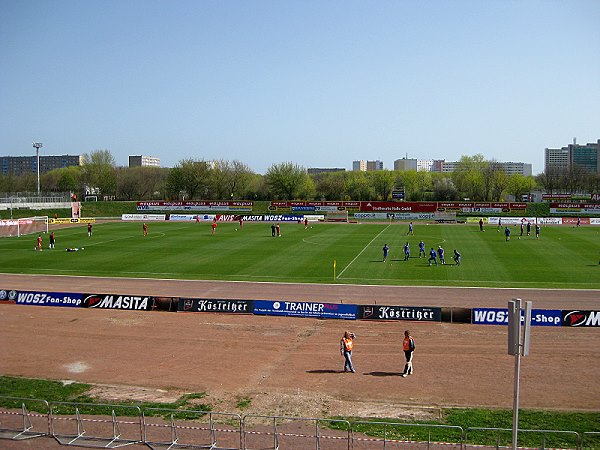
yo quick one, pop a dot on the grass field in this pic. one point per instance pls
(563, 257)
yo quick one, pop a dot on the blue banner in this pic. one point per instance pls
(49, 299)
(499, 316)
(305, 309)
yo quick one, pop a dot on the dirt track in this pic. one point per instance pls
(292, 366)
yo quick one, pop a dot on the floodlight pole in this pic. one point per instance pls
(37, 146)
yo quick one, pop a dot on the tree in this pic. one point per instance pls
(286, 180)
(444, 189)
(330, 185)
(189, 178)
(383, 182)
(98, 172)
(519, 184)
(468, 177)
(358, 186)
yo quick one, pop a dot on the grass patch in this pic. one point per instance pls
(434, 431)
(243, 403)
(58, 393)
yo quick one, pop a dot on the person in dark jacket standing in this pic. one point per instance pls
(408, 345)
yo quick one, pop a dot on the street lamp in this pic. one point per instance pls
(37, 146)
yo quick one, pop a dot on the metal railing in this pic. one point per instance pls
(111, 426)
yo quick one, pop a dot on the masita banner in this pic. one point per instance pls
(215, 305)
(106, 301)
(415, 313)
(305, 309)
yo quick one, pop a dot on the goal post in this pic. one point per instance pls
(25, 225)
(337, 216)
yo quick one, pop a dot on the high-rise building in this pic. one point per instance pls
(363, 165)
(18, 165)
(511, 168)
(584, 157)
(316, 170)
(359, 166)
(145, 161)
(374, 165)
(405, 164)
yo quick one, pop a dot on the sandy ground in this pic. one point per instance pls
(292, 366)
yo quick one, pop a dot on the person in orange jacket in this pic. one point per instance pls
(346, 345)
(408, 345)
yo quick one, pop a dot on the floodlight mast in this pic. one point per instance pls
(37, 146)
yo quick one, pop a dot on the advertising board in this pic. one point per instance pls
(108, 301)
(305, 309)
(215, 306)
(8, 296)
(413, 313)
(499, 316)
(584, 318)
(43, 298)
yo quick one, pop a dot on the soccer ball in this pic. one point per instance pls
(236, 229)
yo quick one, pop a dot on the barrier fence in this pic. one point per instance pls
(113, 426)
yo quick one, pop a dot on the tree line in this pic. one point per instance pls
(475, 178)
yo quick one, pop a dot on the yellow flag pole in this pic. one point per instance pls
(334, 264)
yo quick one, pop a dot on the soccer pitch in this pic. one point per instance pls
(563, 257)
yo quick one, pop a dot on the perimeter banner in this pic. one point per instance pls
(103, 301)
(305, 309)
(48, 298)
(215, 305)
(499, 316)
(415, 313)
(581, 318)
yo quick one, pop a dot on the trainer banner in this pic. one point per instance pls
(48, 298)
(107, 301)
(415, 313)
(581, 318)
(499, 316)
(305, 309)
(215, 305)
(195, 206)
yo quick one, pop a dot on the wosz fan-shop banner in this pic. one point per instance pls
(305, 309)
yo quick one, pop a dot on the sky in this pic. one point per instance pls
(317, 83)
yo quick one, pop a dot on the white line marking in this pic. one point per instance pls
(361, 252)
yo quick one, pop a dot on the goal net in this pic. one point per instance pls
(337, 216)
(26, 225)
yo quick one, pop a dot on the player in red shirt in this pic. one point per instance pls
(214, 226)
(241, 222)
(39, 243)
(145, 229)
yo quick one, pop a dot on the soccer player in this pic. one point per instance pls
(410, 229)
(507, 233)
(432, 256)
(241, 223)
(456, 257)
(385, 249)
(441, 254)
(537, 231)
(305, 222)
(480, 224)
(278, 228)
(273, 229)
(406, 251)
(528, 228)
(145, 228)
(422, 249)
(51, 240)
(214, 226)
(89, 230)
(39, 243)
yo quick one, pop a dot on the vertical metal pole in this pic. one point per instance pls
(37, 155)
(516, 400)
